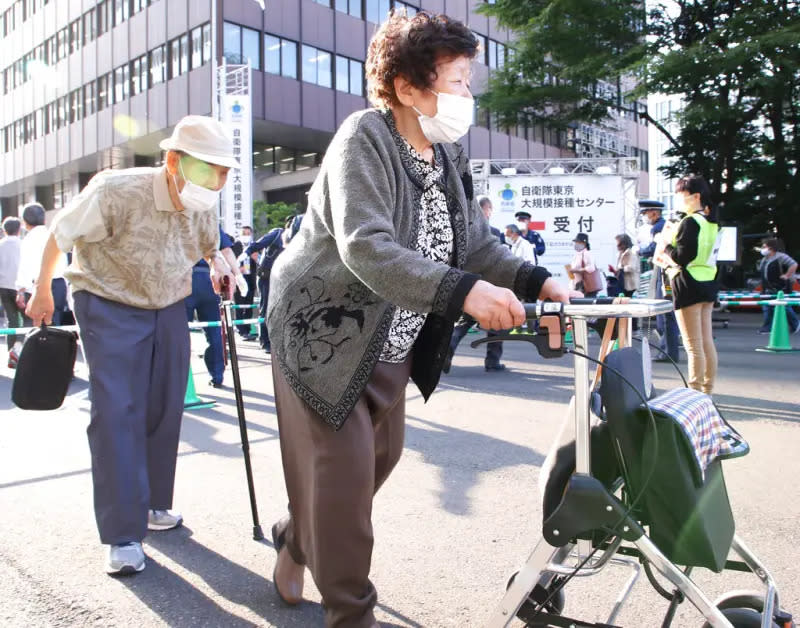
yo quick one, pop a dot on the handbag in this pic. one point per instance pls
(44, 369)
(593, 282)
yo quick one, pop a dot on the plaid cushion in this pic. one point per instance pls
(710, 436)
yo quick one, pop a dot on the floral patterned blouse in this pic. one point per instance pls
(434, 241)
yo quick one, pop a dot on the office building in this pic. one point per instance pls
(87, 85)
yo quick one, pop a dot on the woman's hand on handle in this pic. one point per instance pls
(493, 307)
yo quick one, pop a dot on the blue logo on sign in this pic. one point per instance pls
(237, 108)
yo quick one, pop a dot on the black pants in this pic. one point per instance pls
(494, 350)
(15, 316)
(263, 335)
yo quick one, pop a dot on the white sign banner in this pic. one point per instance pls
(561, 207)
(237, 198)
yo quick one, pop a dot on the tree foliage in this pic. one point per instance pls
(736, 63)
(267, 216)
(562, 48)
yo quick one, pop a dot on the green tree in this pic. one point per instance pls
(561, 50)
(735, 62)
(267, 216)
(737, 65)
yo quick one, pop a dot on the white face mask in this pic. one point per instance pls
(579, 246)
(452, 120)
(196, 197)
(764, 252)
(522, 226)
(246, 239)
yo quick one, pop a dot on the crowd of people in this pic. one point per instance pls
(390, 266)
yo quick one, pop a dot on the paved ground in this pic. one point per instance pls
(458, 516)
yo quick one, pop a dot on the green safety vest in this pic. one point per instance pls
(704, 266)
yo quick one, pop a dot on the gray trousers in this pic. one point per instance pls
(138, 369)
(331, 478)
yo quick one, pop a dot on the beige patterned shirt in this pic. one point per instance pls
(129, 243)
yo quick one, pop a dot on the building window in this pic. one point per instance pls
(325, 3)
(201, 45)
(75, 105)
(89, 26)
(103, 16)
(241, 44)
(139, 75)
(103, 91)
(399, 7)
(122, 83)
(349, 76)
(75, 36)
(158, 65)
(280, 56)
(497, 54)
(483, 51)
(89, 102)
(122, 11)
(178, 56)
(139, 5)
(378, 10)
(316, 66)
(62, 37)
(251, 47)
(351, 7)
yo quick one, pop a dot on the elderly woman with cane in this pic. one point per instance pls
(392, 250)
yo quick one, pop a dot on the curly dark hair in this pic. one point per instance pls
(411, 47)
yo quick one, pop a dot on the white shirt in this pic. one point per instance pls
(30, 258)
(9, 262)
(523, 249)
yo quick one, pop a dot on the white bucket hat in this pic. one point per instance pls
(203, 138)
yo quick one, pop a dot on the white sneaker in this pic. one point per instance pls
(125, 559)
(163, 520)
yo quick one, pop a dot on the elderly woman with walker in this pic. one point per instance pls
(392, 250)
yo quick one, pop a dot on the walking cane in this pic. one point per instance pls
(258, 534)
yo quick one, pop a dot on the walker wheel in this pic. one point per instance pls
(743, 618)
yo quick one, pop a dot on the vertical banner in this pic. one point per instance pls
(561, 207)
(237, 198)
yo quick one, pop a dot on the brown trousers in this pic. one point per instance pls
(331, 478)
(694, 321)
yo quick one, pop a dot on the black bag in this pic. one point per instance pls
(44, 370)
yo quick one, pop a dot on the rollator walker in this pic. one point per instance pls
(629, 490)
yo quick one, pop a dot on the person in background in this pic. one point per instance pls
(666, 324)
(520, 247)
(777, 272)
(270, 246)
(523, 223)
(204, 302)
(30, 261)
(688, 254)
(494, 350)
(135, 236)
(627, 267)
(9, 265)
(582, 270)
(393, 248)
(247, 268)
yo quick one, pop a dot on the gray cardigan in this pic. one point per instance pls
(334, 289)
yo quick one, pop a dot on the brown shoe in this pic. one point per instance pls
(288, 578)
